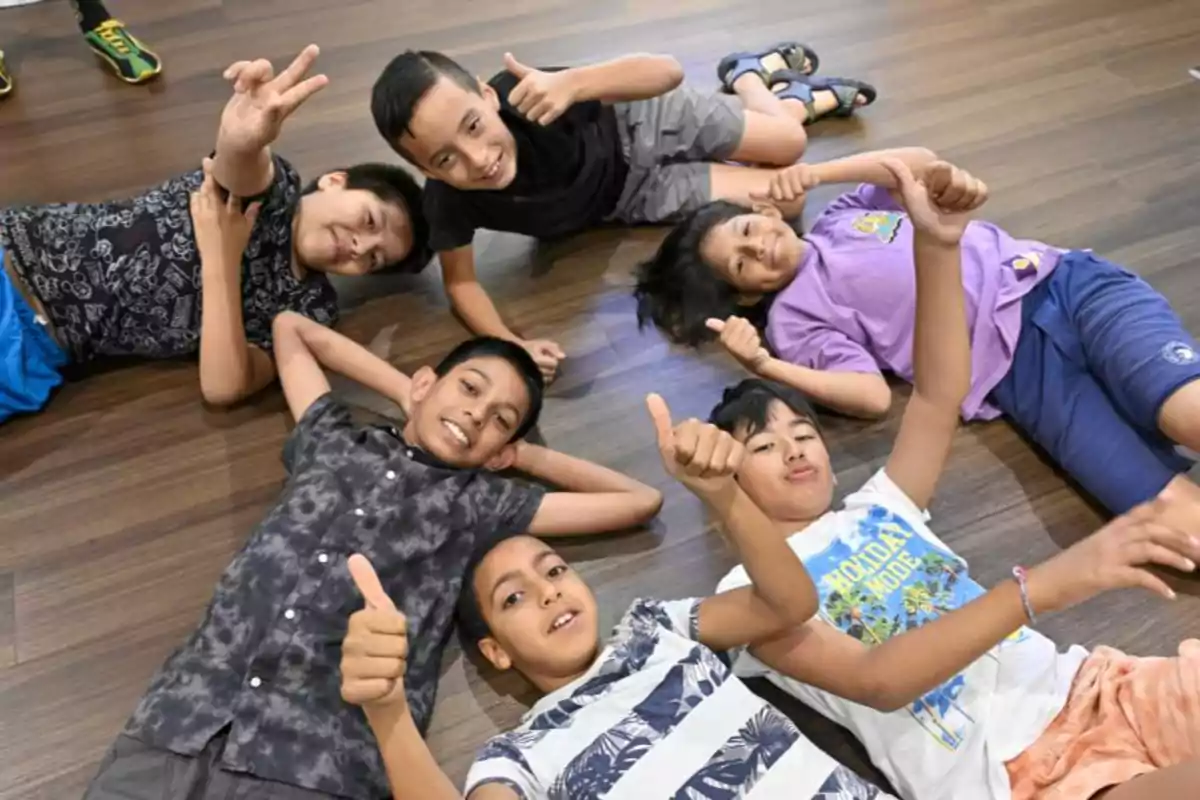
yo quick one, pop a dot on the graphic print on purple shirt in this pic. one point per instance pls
(852, 305)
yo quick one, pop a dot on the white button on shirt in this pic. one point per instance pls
(322, 557)
(289, 614)
(390, 475)
(256, 682)
(358, 512)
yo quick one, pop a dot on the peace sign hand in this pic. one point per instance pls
(375, 650)
(262, 100)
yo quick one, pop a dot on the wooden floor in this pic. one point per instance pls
(121, 505)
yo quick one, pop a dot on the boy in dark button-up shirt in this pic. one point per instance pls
(254, 692)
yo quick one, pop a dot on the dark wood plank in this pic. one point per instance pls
(121, 504)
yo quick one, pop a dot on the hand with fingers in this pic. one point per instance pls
(789, 186)
(1117, 557)
(941, 201)
(540, 96)
(546, 354)
(742, 341)
(701, 456)
(262, 100)
(221, 228)
(375, 650)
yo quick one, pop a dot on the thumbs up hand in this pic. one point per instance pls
(540, 96)
(701, 456)
(375, 650)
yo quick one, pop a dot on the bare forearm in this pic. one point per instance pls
(574, 474)
(941, 343)
(343, 355)
(868, 167)
(412, 771)
(778, 575)
(859, 394)
(906, 667)
(632, 77)
(227, 365)
(243, 174)
(477, 310)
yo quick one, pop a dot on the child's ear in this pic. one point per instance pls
(331, 180)
(495, 654)
(489, 94)
(502, 460)
(422, 381)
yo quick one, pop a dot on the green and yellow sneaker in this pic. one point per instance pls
(131, 60)
(6, 81)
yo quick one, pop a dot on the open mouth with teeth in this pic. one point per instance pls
(563, 620)
(492, 173)
(456, 432)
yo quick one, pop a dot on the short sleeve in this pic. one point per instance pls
(881, 490)
(326, 418)
(867, 197)
(315, 298)
(502, 761)
(512, 504)
(815, 345)
(450, 222)
(678, 616)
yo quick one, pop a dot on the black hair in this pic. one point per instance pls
(394, 186)
(747, 405)
(678, 292)
(468, 611)
(403, 83)
(514, 354)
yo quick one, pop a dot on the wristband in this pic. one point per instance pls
(1022, 578)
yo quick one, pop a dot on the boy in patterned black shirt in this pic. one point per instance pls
(151, 277)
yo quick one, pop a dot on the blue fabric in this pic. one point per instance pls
(1100, 351)
(30, 359)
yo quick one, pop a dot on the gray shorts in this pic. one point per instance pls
(133, 770)
(670, 142)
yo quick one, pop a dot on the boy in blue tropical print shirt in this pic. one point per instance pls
(651, 713)
(948, 687)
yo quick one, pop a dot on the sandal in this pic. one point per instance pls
(797, 86)
(800, 58)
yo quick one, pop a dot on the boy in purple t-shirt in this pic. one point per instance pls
(1082, 355)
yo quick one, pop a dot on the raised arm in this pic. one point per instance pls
(471, 302)
(374, 658)
(596, 499)
(254, 116)
(303, 348)
(781, 595)
(230, 367)
(543, 95)
(857, 394)
(905, 667)
(939, 209)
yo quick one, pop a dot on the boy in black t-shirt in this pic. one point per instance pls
(185, 269)
(548, 152)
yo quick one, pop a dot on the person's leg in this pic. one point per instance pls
(1137, 347)
(135, 771)
(1180, 782)
(129, 59)
(30, 359)
(1057, 402)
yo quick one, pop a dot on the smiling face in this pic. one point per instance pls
(786, 469)
(457, 136)
(541, 615)
(468, 416)
(756, 253)
(349, 231)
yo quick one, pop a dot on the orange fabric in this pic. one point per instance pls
(1125, 716)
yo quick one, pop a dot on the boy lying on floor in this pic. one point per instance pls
(249, 706)
(1083, 356)
(651, 713)
(950, 692)
(201, 264)
(550, 152)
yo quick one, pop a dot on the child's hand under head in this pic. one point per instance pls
(941, 200)
(546, 354)
(1116, 556)
(221, 228)
(375, 650)
(699, 455)
(742, 341)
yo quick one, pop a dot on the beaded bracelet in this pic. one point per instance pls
(1022, 578)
